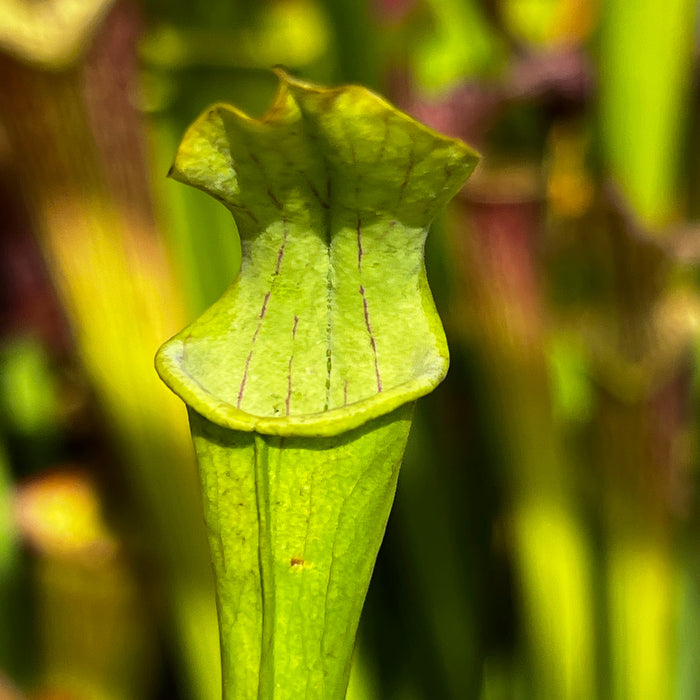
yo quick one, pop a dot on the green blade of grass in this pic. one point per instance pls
(645, 64)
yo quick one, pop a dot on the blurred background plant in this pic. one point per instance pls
(545, 541)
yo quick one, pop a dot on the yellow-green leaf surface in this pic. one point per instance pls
(301, 378)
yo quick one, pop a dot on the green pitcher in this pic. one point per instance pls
(301, 380)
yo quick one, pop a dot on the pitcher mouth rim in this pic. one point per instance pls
(334, 421)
